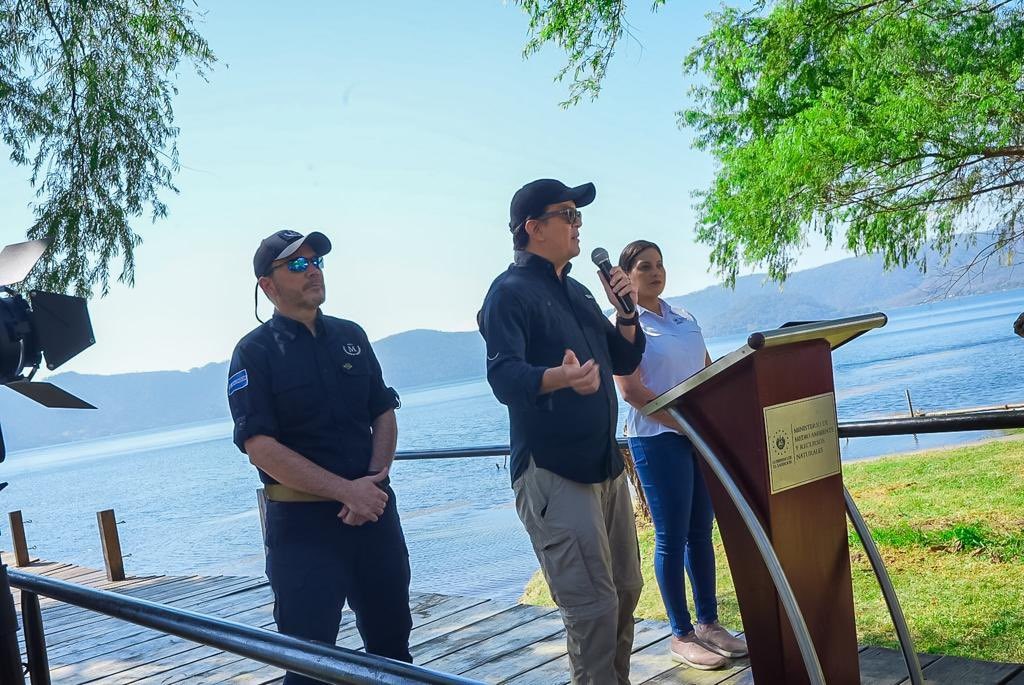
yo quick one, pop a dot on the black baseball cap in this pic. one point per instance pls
(284, 244)
(530, 200)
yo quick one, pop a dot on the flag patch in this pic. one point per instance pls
(237, 382)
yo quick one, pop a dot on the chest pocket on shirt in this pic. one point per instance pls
(296, 396)
(353, 374)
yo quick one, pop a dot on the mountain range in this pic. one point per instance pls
(144, 401)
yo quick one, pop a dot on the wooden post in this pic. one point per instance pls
(261, 505)
(18, 537)
(111, 544)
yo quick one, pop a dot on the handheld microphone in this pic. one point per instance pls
(600, 257)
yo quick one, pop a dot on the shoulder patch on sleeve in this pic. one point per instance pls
(237, 382)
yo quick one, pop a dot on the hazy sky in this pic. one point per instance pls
(401, 130)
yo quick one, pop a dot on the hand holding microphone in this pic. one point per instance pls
(620, 290)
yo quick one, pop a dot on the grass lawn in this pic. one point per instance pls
(950, 526)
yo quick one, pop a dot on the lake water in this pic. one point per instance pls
(186, 497)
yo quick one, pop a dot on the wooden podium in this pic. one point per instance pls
(766, 412)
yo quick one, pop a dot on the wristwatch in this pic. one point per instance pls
(631, 321)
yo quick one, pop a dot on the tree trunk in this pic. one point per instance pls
(642, 510)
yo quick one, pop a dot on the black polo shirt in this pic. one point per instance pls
(316, 395)
(529, 318)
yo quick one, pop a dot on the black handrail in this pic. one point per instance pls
(316, 660)
(338, 665)
(982, 420)
(976, 421)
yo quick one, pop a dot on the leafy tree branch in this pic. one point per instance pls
(86, 92)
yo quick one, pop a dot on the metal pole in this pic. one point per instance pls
(987, 420)
(764, 546)
(35, 639)
(893, 602)
(960, 421)
(11, 672)
(316, 660)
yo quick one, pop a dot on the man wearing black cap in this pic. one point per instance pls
(313, 413)
(551, 354)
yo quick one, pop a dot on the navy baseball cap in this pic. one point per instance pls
(530, 200)
(284, 244)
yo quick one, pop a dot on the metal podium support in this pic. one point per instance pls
(764, 546)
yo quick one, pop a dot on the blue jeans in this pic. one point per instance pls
(682, 514)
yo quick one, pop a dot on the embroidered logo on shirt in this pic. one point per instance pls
(491, 359)
(352, 350)
(237, 382)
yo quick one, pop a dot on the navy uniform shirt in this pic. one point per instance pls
(529, 318)
(316, 395)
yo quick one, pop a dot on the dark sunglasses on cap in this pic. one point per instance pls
(300, 264)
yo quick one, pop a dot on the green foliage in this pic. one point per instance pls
(85, 102)
(894, 123)
(587, 30)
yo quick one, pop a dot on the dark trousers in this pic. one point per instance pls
(315, 563)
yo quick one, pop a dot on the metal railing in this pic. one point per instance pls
(951, 423)
(324, 662)
(982, 420)
(344, 666)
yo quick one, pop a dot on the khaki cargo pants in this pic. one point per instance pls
(585, 539)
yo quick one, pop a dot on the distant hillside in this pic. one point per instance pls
(850, 286)
(422, 357)
(143, 401)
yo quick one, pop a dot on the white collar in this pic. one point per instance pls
(665, 309)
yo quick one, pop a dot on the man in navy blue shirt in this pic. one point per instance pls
(313, 414)
(551, 354)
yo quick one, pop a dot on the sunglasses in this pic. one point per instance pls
(300, 264)
(571, 214)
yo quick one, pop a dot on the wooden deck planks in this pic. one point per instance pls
(113, 634)
(459, 639)
(556, 670)
(490, 641)
(220, 666)
(880, 666)
(954, 669)
(498, 645)
(82, 623)
(87, 628)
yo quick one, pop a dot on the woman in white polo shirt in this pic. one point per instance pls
(668, 470)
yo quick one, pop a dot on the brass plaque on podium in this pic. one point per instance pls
(803, 441)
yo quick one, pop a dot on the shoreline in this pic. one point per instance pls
(1012, 437)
